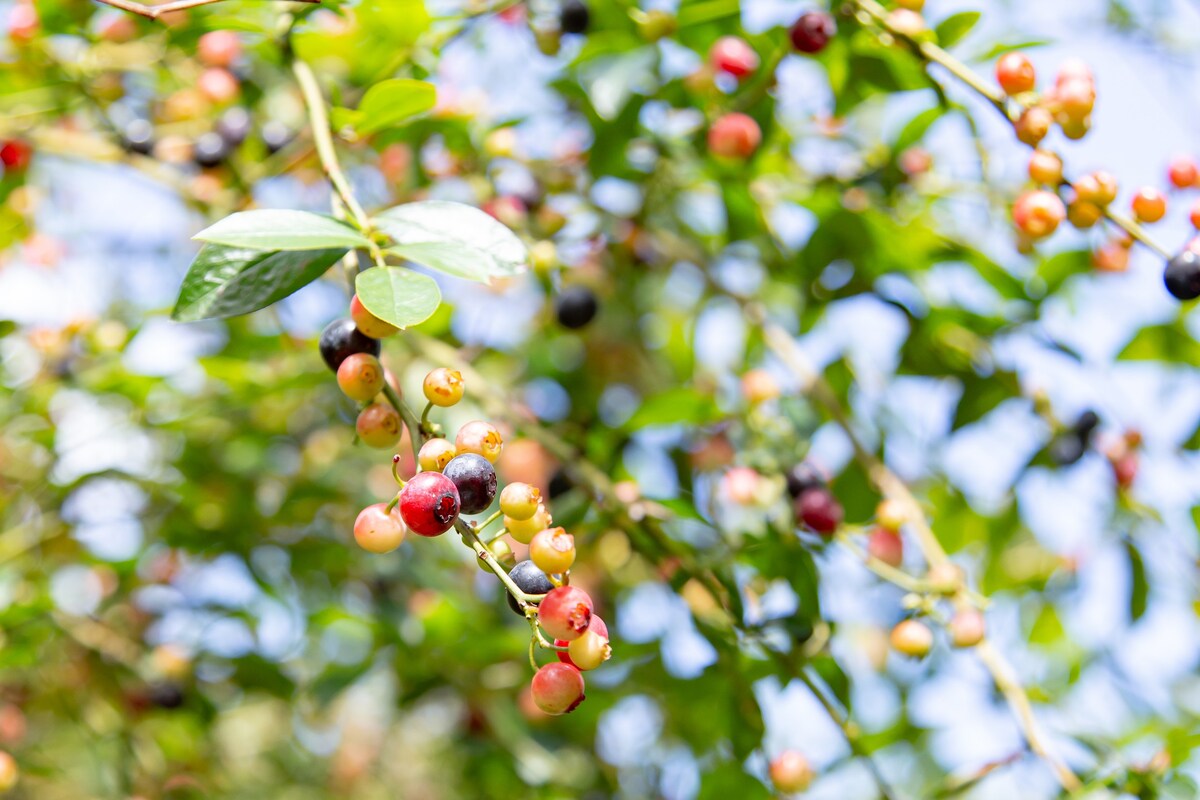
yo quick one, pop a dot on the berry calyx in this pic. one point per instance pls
(912, 638)
(966, 628)
(565, 612)
(523, 530)
(519, 501)
(574, 17)
(368, 323)
(557, 688)
(444, 387)
(732, 55)
(435, 454)
(1149, 204)
(819, 510)
(360, 376)
(481, 438)
(1015, 73)
(1037, 214)
(575, 307)
(342, 339)
(790, 772)
(886, 546)
(378, 425)
(552, 550)
(592, 648)
(1182, 275)
(530, 580)
(1182, 172)
(475, 478)
(377, 531)
(734, 135)
(812, 31)
(429, 504)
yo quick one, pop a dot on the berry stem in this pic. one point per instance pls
(495, 516)
(416, 436)
(541, 639)
(425, 417)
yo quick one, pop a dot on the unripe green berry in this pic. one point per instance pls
(519, 501)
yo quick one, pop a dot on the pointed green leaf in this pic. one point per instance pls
(954, 28)
(397, 295)
(389, 103)
(453, 259)
(282, 229)
(455, 238)
(229, 281)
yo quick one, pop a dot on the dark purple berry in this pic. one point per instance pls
(819, 510)
(1182, 275)
(139, 137)
(574, 17)
(476, 481)
(530, 580)
(234, 126)
(812, 32)
(210, 150)
(576, 306)
(275, 136)
(342, 339)
(803, 476)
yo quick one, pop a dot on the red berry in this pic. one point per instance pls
(1038, 213)
(1015, 73)
(377, 531)
(367, 323)
(379, 425)
(887, 546)
(429, 504)
(1125, 469)
(1182, 172)
(565, 612)
(734, 135)
(1194, 214)
(733, 55)
(15, 155)
(1149, 204)
(812, 32)
(790, 772)
(596, 628)
(819, 510)
(360, 376)
(557, 688)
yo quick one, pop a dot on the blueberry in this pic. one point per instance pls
(801, 477)
(529, 579)
(475, 479)
(165, 695)
(139, 137)
(574, 16)
(560, 483)
(576, 306)
(1066, 449)
(210, 150)
(1182, 275)
(341, 339)
(234, 126)
(275, 136)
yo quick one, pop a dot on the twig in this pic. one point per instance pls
(156, 11)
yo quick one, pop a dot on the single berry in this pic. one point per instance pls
(502, 554)
(945, 577)
(891, 514)
(210, 150)
(1074, 69)
(519, 501)
(1183, 172)
(1045, 168)
(1037, 214)
(1125, 468)
(790, 772)
(219, 48)
(378, 425)
(377, 531)
(1015, 73)
(741, 485)
(732, 55)
(15, 155)
(275, 136)
(886, 546)
(734, 135)
(523, 530)
(1149, 204)
(966, 628)
(1083, 214)
(1033, 125)
(138, 137)
(557, 688)
(802, 477)
(912, 638)
(906, 22)
(530, 580)
(234, 126)
(481, 438)
(1097, 187)
(1111, 257)
(552, 550)
(1194, 214)
(565, 612)
(218, 84)
(341, 339)
(1086, 425)
(435, 454)
(165, 694)
(1066, 449)
(574, 16)
(592, 648)
(444, 387)
(560, 483)
(1182, 275)
(819, 510)
(759, 386)
(575, 307)
(475, 479)
(360, 376)
(812, 31)
(368, 323)
(429, 504)
(1074, 99)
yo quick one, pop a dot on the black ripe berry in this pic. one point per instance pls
(575, 306)
(275, 136)
(574, 16)
(560, 483)
(1066, 449)
(234, 126)
(1182, 275)
(529, 579)
(210, 150)
(801, 477)
(341, 339)
(139, 137)
(165, 695)
(475, 479)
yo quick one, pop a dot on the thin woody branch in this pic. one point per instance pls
(156, 11)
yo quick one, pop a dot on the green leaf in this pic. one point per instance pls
(455, 238)
(1139, 587)
(282, 229)
(954, 28)
(997, 50)
(1170, 342)
(916, 128)
(674, 407)
(397, 295)
(229, 281)
(386, 104)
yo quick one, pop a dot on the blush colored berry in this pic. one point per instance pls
(481, 438)
(1111, 257)
(732, 55)
(1015, 73)
(475, 479)
(906, 22)
(1183, 172)
(1045, 168)
(219, 48)
(429, 504)
(1125, 468)
(377, 531)
(23, 22)
(575, 307)
(530, 580)
(360, 376)
(341, 339)
(734, 135)
(1182, 275)
(519, 501)
(886, 546)
(1037, 214)
(966, 628)
(945, 577)
(218, 85)
(378, 425)
(9, 773)
(812, 31)
(444, 387)
(574, 16)
(368, 323)
(1149, 204)
(802, 477)
(592, 648)
(912, 638)
(523, 530)
(819, 510)
(790, 772)
(435, 454)
(1033, 125)
(1098, 187)
(557, 688)
(565, 612)
(759, 386)
(552, 550)
(1074, 99)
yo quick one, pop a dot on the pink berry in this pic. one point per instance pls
(565, 612)
(377, 531)
(731, 54)
(886, 546)
(429, 504)
(219, 48)
(734, 135)
(818, 509)
(557, 688)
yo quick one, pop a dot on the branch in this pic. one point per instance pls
(154, 12)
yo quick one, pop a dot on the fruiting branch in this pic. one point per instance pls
(156, 11)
